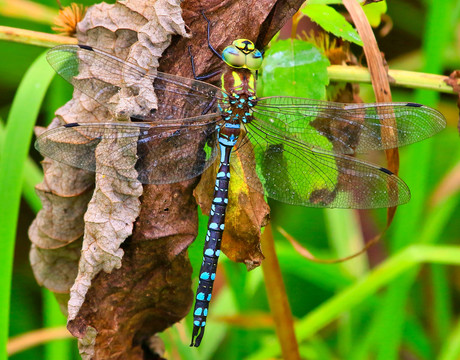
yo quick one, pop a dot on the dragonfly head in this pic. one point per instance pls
(242, 54)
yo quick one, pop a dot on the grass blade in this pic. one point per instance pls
(392, 313)
(391, 270)
(13, 155)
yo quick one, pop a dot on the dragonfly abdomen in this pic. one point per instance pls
(212, 244)
(238, 101)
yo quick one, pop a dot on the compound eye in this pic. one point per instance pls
(254, 60)
(233, 57)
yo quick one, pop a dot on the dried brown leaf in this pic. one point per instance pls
(147, 294)
(56, 269)
(247, 210)
(62, 300)
(109, 221)
(83, 181)
(60, 221)
(87, 343)
(114, 313)
(380, 84)
(115, 204)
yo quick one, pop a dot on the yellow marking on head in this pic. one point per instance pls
(244, 45)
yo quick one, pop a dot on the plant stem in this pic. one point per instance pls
(28, 10)
(42, 336)
(277, 298)
(410, 79)
(34, 37)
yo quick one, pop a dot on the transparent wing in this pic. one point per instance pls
(293, 173)
(151, 153)
(129, 90)
(347, 128)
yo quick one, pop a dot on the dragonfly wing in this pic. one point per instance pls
(181, 97)
(178, 154)
(146, 152)
(129, 90)
(348, 128)
(295, 174)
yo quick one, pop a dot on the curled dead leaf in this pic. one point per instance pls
(56, 269)
(60, 222)
(247, 210)
(114, 313)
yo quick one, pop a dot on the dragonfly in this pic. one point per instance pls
(303, 149)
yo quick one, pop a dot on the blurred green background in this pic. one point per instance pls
(397, 301)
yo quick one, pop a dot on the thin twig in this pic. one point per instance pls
(277, 298)
(308, 255)
(25, 341)
(34, 37)
(28, 10)
(380, 84)
(403, 78)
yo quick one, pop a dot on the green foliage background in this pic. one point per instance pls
(398, 301)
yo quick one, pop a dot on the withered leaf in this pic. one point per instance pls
(56, 269)
(60, 221)
(108, 222)
(247, 210)
(115, 204)
(114, 313)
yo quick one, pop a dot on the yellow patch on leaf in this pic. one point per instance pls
(247, 211)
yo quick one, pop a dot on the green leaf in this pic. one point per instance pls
(332, 21)
(291, 68)
(13, 155)
(374, 12)
(294, 68)
(32, 176)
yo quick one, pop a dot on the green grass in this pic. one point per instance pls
(13, 155)
(389, 323)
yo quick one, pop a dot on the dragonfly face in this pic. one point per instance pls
(242, 54)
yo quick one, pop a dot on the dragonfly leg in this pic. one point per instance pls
(209, 106)
(209, 35)
(206, 76)
(211, 250)
(201, 77)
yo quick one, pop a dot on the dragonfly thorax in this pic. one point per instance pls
(239, 96)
